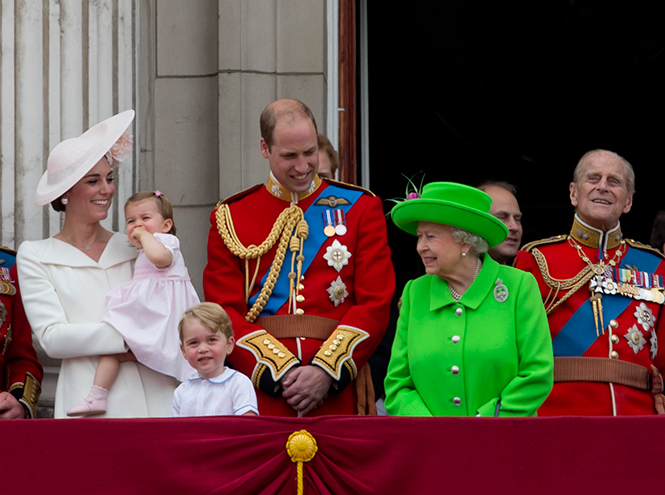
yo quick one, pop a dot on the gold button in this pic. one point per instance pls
(303, 338)
(614, 324)
(328, 353)
(281, 354)
(266, 341)
(301, 286)
(302, 277)
(275, 351)
(300, 298)
(332, 347)
(615, 339)
(300, 311)
(271, 346)
(615, 355)
(336, 342)
(340, 336)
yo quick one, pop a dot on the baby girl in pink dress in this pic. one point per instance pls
(146, 310)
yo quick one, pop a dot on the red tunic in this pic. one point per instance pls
(573, 328)
(367, 277)
(20, 371)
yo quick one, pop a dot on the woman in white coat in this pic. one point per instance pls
(64, 279)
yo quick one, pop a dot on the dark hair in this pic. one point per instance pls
(57, 205)
(658, 231)
(164, 206)
(282, 109)
(325, 145)
(498, 183)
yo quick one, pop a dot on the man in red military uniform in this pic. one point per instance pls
(20, 372)
(604, 299)
(302, 266)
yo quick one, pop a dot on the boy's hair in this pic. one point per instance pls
(212, 315)
(164, 206)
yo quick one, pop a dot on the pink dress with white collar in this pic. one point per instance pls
(146, 310)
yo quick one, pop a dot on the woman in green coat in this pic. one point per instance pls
(472, 337)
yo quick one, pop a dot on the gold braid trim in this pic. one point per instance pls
(282, 228)
(572, 284)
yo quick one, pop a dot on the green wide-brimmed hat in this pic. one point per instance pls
(449, 203)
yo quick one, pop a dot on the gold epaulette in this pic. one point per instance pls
(239, 195)
(346, 185)
(337, 351)
(542, 242)
(638, 245)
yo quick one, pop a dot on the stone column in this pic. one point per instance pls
(65, 66)
(267, 50)
(183, 113)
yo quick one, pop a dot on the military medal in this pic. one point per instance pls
(6, 282)
(644, 316)
(642, 286)
(340, 222)
(635, 339)
(337, 291)
(337, 255)
(329, 229)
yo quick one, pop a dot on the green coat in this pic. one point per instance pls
(460, 359)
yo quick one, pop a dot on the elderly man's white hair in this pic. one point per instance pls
(630, 173)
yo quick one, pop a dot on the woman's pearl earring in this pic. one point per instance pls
(64, 201)
(463, 254)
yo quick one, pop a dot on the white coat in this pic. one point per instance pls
(64, 294)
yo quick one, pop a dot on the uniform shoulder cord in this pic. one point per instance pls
(286, 222)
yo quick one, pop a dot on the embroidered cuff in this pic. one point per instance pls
(270, 353)
(27, 393)
(336, 354)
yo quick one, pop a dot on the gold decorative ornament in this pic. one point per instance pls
(301, 447)
(291, 229)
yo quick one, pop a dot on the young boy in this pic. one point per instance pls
(206, 338)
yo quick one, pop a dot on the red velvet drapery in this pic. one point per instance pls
(365, 455)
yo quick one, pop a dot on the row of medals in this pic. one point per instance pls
(604, 283)
(334, 222)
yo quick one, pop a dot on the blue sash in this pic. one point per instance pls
(579, 333)
(313, 243)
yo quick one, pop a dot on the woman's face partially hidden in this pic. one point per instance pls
(90, 198)
(437, 248)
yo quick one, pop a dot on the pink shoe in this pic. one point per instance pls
(88, 407)
(94, 403)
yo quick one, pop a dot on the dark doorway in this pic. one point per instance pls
(469, 90)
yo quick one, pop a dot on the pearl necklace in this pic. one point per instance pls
(456, 295)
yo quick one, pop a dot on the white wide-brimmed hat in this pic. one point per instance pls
(70, 160)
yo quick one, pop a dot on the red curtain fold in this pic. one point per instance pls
(367, 455)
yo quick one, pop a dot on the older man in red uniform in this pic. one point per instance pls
(604, 299)
(303, 268)
(20, 372)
